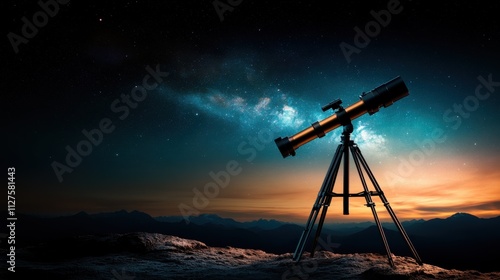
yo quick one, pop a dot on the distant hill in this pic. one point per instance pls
(457, 226)
(461, 241)
(217, 220)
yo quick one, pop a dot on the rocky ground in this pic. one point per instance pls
(157, 256)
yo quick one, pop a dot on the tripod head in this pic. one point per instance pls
(346, 123)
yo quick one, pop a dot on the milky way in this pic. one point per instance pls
(263, 68)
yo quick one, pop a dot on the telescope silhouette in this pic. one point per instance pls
(370, 102)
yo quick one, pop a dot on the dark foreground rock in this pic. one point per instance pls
(156, 256)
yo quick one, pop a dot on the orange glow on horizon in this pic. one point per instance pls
(436, 190)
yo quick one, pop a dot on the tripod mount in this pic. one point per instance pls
(326, 193)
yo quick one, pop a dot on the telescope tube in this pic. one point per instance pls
(370, 102)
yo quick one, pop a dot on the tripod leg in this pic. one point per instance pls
(332, 177)
(320, 202)
(322, 219)
(371, 204)
(387, 205)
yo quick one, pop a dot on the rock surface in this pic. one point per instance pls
(157, 256)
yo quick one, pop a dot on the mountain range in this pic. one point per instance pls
(214, 219)
(461, 241)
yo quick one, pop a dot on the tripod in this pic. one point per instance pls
(326, 193)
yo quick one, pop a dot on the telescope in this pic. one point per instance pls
(370, 102)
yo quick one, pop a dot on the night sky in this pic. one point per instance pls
(157, 95)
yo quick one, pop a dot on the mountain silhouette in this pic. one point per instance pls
(203, 219)
(457, 226)
(370, 241)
